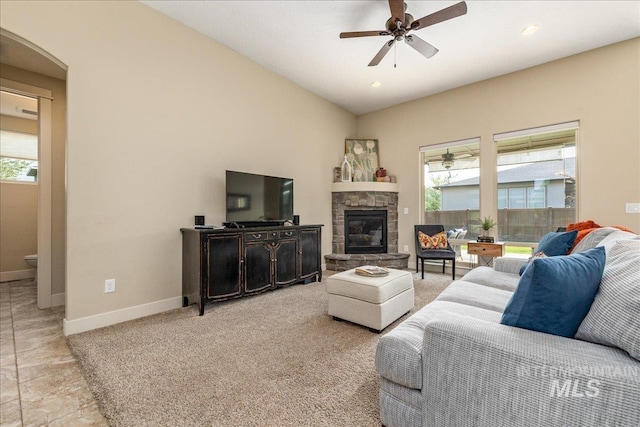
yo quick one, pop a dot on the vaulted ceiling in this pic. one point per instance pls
(300, 41)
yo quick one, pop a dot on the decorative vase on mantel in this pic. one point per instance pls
(345, 170)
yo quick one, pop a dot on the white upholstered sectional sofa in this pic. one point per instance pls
(453, 363)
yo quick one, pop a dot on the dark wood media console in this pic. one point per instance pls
(218, 265)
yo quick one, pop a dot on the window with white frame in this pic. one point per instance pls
(18, 137)
(536, 185)
(18, 156)
(451, 186)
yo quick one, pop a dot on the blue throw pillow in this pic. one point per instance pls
(555, 293)
(554, 244)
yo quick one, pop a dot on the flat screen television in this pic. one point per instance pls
(254, 200)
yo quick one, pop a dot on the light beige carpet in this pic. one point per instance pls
(276, 359)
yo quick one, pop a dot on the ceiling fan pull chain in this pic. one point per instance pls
(395, 50)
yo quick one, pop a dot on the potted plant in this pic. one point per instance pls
(486, 224)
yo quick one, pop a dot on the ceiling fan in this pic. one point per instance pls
(446, 160)
(401, 23)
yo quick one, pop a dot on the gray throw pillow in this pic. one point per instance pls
(592, 239)
(614, 318)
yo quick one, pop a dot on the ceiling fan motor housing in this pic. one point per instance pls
(392, 26)
(448, 159)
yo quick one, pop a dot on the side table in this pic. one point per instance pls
(485, 252)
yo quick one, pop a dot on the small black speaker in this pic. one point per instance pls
(296, 220)
(199, 220)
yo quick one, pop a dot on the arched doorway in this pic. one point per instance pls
(29, 71)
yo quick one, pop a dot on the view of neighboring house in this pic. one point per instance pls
(549, 184)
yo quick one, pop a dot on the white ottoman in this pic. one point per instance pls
(375, 302)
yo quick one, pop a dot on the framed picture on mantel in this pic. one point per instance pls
(363, 156)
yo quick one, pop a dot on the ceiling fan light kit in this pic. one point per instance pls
(461, 157)
(401, 23)
(448, 159)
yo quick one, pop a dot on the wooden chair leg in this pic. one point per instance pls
(417, 263)
(453, 269)
(443, 263)
(422, 267)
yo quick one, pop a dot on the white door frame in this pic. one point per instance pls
(44, 183)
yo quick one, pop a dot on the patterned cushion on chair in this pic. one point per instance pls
(437, 241)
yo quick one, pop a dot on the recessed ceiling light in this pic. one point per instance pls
(529, 30)
(375, 84)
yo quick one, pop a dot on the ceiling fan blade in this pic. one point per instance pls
(420, 45)
(397, 10)
(364, 34)
(445, 14)
(376, 59)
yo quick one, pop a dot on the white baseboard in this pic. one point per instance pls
(7, 276)
(76, 326)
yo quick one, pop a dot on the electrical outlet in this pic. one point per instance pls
(633, 208)
(109, 285)
(406, 211)
(406, 248)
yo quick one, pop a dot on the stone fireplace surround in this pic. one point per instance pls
(364, 196)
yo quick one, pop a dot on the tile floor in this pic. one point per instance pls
(41, 383)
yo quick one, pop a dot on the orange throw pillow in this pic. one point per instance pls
(437, 241)
(583, 225)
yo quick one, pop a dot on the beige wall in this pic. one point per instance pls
(18, 224)
(600, 88)
(58, 137)
(156, 114)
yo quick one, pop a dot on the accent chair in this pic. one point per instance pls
(444, 254)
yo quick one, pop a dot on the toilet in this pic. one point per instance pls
(32, 261)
